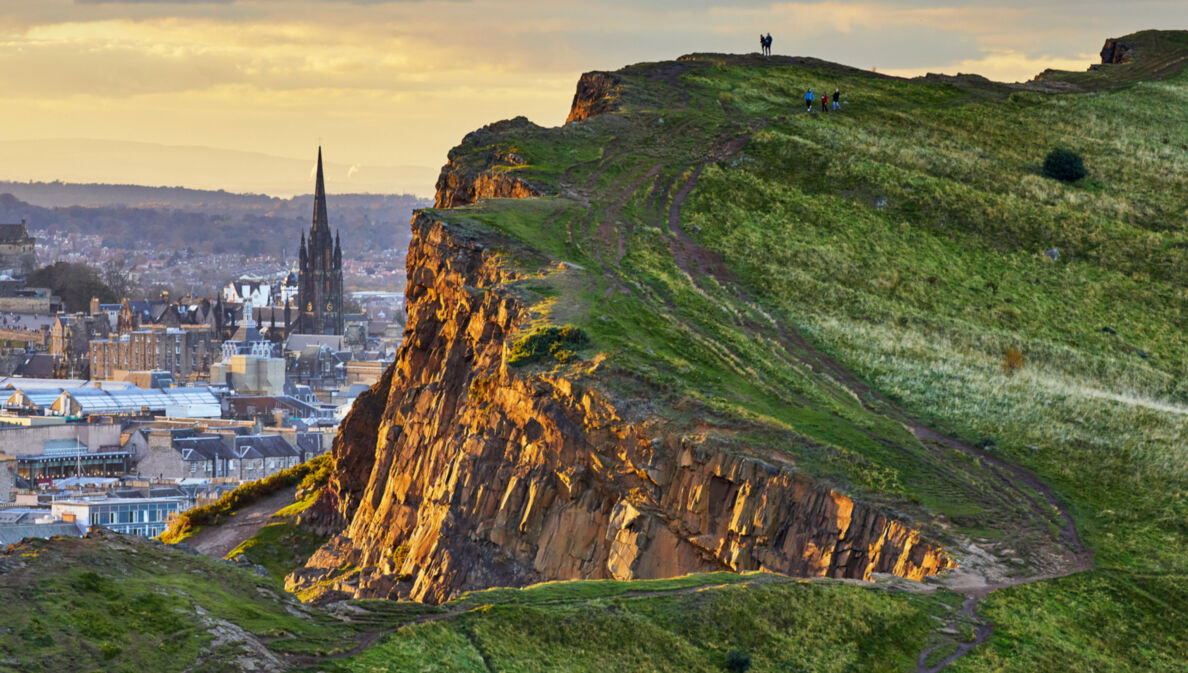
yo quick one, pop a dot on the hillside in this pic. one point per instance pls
(110, 603)
(698, 329)
(853, 391)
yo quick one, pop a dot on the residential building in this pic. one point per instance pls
(181, 454)
(185, 352)
(17, 255)
(18, 523)
(69, 342)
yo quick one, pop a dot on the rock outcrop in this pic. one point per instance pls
(597, 93)
(1115, 51)
(470, 176)
(456, 472)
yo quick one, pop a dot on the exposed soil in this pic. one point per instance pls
(220, 539)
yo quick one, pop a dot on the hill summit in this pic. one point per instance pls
(699, 327)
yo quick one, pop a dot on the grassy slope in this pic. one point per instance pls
(281, 546)
(906, 236)
(128, 604)
(785, 625)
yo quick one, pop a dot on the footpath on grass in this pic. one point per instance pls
(220, 539)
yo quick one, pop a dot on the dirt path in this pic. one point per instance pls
(217, 540)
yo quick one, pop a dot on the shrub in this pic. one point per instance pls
(738, 661)
(1064, 165)
(560, 343)
(1012, 361)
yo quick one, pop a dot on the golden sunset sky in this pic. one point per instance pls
(237, 94)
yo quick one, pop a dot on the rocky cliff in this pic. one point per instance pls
(459, 471)
(470, 176)
(455, 472)
(597, 93)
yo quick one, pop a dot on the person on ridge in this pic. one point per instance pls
(808, 100)
(769, 44)
(762, 44)
(824, 102)
(836, 99)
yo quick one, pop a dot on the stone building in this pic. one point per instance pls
(69, 343)
(17, 254)
(186, 352)
(319, 291)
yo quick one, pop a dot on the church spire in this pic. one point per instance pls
(320, 218)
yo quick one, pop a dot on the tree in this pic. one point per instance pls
(118, 276)
(1064, 165)
(74, 283)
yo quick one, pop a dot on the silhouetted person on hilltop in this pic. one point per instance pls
(762, 44)
(769, 44)
(808, 100)
(837, 99)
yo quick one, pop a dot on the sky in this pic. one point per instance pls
(388, 86)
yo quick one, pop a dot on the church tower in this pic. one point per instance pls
(319, 285)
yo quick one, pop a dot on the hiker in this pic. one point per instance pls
(769, 44)
(808, 100)
(762, 44)
(837, 99)
(824, 102)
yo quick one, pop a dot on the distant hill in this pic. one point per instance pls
(90, 160)
(135, 217)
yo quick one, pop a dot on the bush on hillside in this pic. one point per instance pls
(1064, 165)
(558, 342)
(246, 494)
(738, 661)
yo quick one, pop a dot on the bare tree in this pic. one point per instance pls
(117, 274)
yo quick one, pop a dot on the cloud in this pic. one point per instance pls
(388, 82)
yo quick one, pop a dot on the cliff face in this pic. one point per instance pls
(1116, 51)
(597, 93)
(457, 473)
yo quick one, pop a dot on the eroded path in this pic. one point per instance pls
(220, 539)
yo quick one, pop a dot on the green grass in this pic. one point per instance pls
(308, 475)
(129, 605)
(1097, 622)
(785, 625)
(905, 237)
(281, 547)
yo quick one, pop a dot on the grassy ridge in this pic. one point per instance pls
(908, 237)
(785, 625)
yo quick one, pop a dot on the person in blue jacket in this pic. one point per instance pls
(808, 100)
